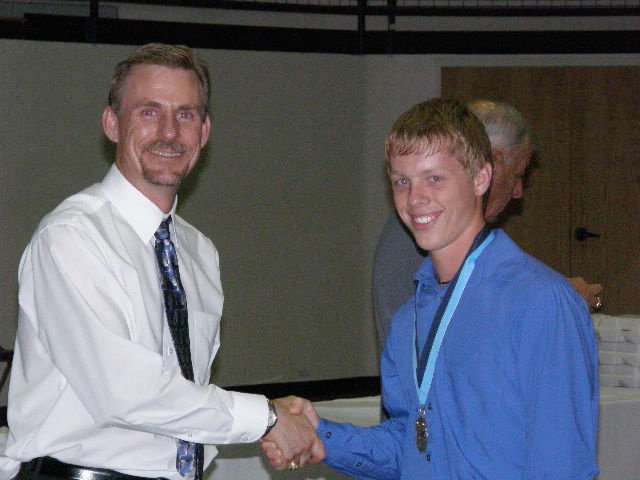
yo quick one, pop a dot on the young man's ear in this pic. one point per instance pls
(110, 124)
(482, 180)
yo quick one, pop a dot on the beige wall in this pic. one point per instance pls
(291, 188)
(278, 192)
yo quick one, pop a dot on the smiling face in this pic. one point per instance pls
(158, 129)
(438, 202)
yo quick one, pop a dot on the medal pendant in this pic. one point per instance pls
(421, 432)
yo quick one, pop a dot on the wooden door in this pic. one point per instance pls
(586, 173)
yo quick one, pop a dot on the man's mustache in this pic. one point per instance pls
(176, 147)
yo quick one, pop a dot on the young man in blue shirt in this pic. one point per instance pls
(490, 370)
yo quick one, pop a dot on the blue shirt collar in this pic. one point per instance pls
(426, 274)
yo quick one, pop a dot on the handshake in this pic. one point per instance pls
(293, 442)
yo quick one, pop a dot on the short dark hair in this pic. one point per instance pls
(172, 56)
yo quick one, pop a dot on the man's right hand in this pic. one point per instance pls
(293, 439)
(589, 291)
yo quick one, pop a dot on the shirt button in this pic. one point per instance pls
(359, 464)
(244, 438)
(428, 458)
(170, 351)
(327, 435)
(429, 407)
(189, 435)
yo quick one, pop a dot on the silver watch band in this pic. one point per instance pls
(273, 417)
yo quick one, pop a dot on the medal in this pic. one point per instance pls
(421, 431)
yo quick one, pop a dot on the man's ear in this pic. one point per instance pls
(482, 180)
(206, 130)
(110, 124)
(498, 159)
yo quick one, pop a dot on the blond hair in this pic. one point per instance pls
(441, 125)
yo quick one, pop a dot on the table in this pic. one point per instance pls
(618, 441)
(619, 435)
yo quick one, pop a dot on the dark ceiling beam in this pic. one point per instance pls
(232, 37)
(352, 8)
(92, 21)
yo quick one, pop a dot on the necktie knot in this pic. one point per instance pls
(162, 233)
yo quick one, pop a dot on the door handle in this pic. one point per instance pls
(581, 234)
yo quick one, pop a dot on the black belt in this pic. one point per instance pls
(54, 468)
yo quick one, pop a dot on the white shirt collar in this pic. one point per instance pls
(142, 214)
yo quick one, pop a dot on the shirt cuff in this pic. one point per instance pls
(331, 435)
(338, 455)
(250, 416)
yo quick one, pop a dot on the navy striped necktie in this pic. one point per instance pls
(189, 454)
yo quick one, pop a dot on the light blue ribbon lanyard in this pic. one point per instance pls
(465, 274)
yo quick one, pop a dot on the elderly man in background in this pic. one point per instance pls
(397, 256)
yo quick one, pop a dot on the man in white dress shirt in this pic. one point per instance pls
(96, 392)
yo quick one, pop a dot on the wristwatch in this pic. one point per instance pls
(273, 417)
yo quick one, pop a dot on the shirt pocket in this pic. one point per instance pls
(204, 343)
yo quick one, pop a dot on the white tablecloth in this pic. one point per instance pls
(619, 435)
(618, 441)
